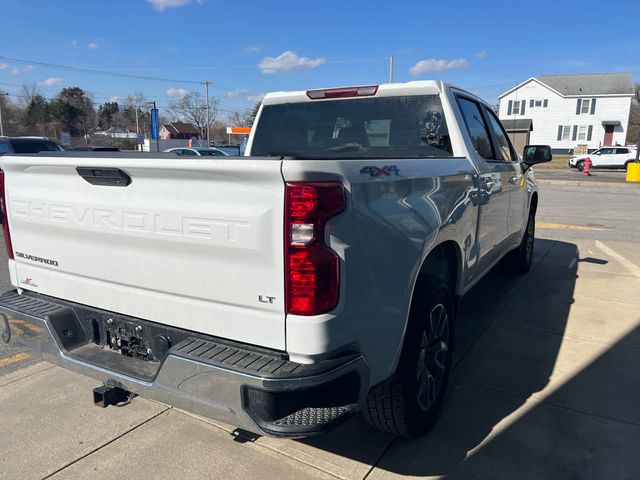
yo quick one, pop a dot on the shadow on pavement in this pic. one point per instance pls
(499, 365)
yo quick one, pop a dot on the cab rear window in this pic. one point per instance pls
(381, 127)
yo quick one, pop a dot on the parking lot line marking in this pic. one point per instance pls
(562, 226)
(13, 359)
(632, 267)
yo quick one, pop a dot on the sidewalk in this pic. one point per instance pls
(571, 176)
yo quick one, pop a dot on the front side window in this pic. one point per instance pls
(381, 127)
(606, 151)
(5, 147)
(476, 127)
(585, 106)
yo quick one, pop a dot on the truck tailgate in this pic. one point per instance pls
(195, 244)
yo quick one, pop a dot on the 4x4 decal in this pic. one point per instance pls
(374, 171)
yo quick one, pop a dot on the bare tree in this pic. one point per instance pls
(633, 129)
(192, 108)
(241, 119)
(28, 93)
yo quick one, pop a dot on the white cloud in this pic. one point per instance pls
(256, 98)
(18, 70)
(481, 54)
(253, 48)
(3, 66)
(114, 98)
(434, 65)
(51, 82)
(177, 92)
(236, 93)
(161, 5)
(92, 45)
(287, 61)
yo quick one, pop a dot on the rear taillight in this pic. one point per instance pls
(311, 267)
(4, 217)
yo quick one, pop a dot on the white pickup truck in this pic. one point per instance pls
(282, 291)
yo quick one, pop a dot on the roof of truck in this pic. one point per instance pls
(420, 87)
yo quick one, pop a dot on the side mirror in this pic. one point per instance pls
(534, 154)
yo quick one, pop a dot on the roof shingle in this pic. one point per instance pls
(590, 84)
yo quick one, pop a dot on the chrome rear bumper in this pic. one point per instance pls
(254, 389)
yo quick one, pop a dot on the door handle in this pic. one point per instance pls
(113, 177)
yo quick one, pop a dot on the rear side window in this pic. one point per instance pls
(31, 145)
(476, 127)
(380, 127)
(503, 144)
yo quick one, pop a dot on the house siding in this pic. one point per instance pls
(562, 111)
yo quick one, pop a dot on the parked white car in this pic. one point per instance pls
(197, 152)
(605, 157)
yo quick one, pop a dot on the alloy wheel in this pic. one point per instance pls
(433, 359)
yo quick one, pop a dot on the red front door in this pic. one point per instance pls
(608, 135)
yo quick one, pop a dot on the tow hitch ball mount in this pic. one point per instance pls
(111, 393)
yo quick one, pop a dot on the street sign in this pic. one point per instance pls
(155, 127)
(141, 139)
(65, 139)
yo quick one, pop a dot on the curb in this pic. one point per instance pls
(584, 183)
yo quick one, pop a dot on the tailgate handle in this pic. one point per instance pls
(111, 177)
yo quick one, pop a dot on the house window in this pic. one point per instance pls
(582, 132)
(566, 132)
(516, 108)
(585, 106)
(546, 103)
(538, 103)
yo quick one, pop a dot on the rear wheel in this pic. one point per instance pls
(408, 404)
(580, 165)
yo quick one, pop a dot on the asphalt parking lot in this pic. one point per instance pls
(546, 384)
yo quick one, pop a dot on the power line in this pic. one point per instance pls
(96, 72)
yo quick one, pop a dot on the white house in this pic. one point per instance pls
(569, 112)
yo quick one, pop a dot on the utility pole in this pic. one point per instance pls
(206, 87)
(391, 69)
(1, 127)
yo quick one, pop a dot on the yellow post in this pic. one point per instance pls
(633, 172)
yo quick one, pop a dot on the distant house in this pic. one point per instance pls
(178, 130)
(568, 112)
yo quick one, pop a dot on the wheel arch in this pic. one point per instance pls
(444, 260)
(533, 204)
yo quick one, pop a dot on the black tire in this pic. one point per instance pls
(580, 165)
(408, 404)
(519, 260)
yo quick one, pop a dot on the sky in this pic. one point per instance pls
(247, 48)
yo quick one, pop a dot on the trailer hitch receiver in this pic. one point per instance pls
(111, 393)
